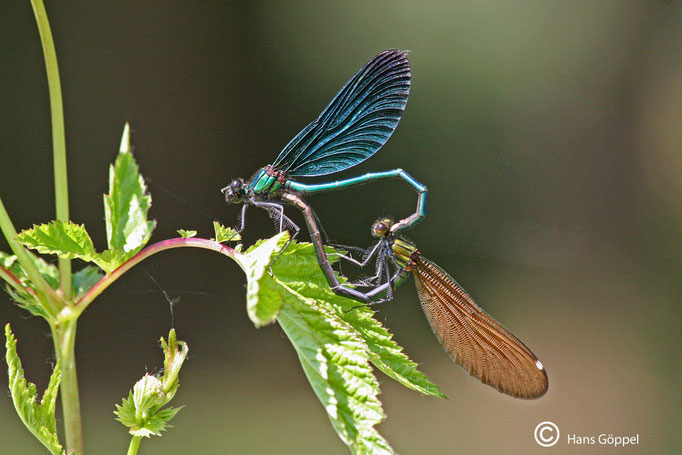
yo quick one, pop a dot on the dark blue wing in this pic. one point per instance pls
(357, 122)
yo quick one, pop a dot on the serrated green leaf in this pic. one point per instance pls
(336, 362)
(263, 296)
(110, 260)
(28, 302)
(69, 241)
(125, 412)
(25, 299)
(49, 271)
(225, 234)
(12, 264)
(85, 279)
(63, 238)
(156, 423)
(298, 268)
(37, 417)
(186, 234)
(127, 204)
(335, 339)
(334, 356)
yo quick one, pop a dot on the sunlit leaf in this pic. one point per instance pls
(186, 234)
(263, 296)
(63, 238)
(126, 206)
(225, 234)
(336, 340)
(298, 268)
(38, 416)
(24, 298)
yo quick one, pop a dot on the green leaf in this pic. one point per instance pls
(336, 340)
(69, 241)
(335, 360)
(155, 424)
(186, 234)
(126, 206)
(25, 299)
(37, 416)
(63, 238)
(141, 412)
(84, 279)
(50, 272)
(225, 234)
(298, 268)
(263, 296)
(109, 260)
(125, 412)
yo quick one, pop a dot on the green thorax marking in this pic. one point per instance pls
(267, 181)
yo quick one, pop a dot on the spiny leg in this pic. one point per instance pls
(316, 239)
(242, 221)
(382, 287)
(322, 260)
(368, 254)
(276, 211)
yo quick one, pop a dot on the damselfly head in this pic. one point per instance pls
(235, 192)
(382, 227)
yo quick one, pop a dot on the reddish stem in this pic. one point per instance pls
(15, 282)
(107, 280)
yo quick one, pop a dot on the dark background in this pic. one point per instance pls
(548, 134)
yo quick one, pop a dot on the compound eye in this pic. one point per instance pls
(236, 185)
(379, 229)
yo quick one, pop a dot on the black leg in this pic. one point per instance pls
(322, 260)
(276, 211)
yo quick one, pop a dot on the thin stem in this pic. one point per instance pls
(64, 338)
(13, 281)
(45, 294)
(134, 445)
(61, 189)
(107, 280)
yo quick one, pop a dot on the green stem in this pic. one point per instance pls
(45, 294)
(14, 281)
(134, 445)
(64, 337)
(61, 189)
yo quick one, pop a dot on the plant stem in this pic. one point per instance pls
(45, 294)
(134, 445)
(14, 281)
(106, 281)
(64, 338)
(61, 189)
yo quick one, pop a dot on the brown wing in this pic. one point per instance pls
(476, 341)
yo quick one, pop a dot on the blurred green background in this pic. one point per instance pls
(548, 134)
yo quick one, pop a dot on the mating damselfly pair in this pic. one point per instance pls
(354, 125)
